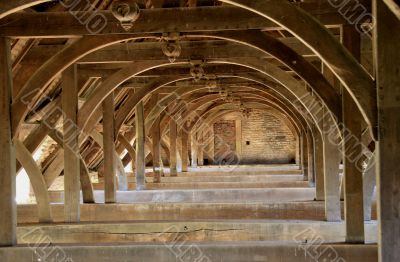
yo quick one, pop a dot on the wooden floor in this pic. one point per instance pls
(265, 222)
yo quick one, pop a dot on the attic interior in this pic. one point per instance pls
(199, 130)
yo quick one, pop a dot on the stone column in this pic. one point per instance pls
(8, 207)
(140, 147)
(155, 134)
(71, 145)
(110, 186)
(387, 54)
(172, 147)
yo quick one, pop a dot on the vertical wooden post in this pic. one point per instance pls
(238, 127)
(140, 147)
(301, 155)
(352, 169)
(352, 172)
(319, 165)
(200, 148)
(387, 57)
(310, 158)
(331, 171)
(155, 134)
(110, 186)
(298, 157)
(172, 147)
(193, 149)
(369, 183)
(304, 155)
(8, 217)
(178, 149)
(211, 152)
(184, 149)
(71, 145)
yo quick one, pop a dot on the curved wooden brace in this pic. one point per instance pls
(9, 7)
(33, 89)
(280, 77)
(131, 151)
(394, 7)
(86, 183)
(36, 178)
(307, 29)
(121, 175)
(26, 98)
(55, 65)
(85, 121)
(37, 135)
(134, 98)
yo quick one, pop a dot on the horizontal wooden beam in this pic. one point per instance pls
(75, 24)
(201, 49)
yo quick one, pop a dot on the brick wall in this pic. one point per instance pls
(224, 141)
(265, 138)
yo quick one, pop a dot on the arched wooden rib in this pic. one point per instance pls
(36, 178)
(214, 98)
(306, 28)
(167, 100)
(119, 77)
(54, 66)
(86, 184)
(296, 62)
(9, 7)
(125, 110)
(258, 80)
(209, 111)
